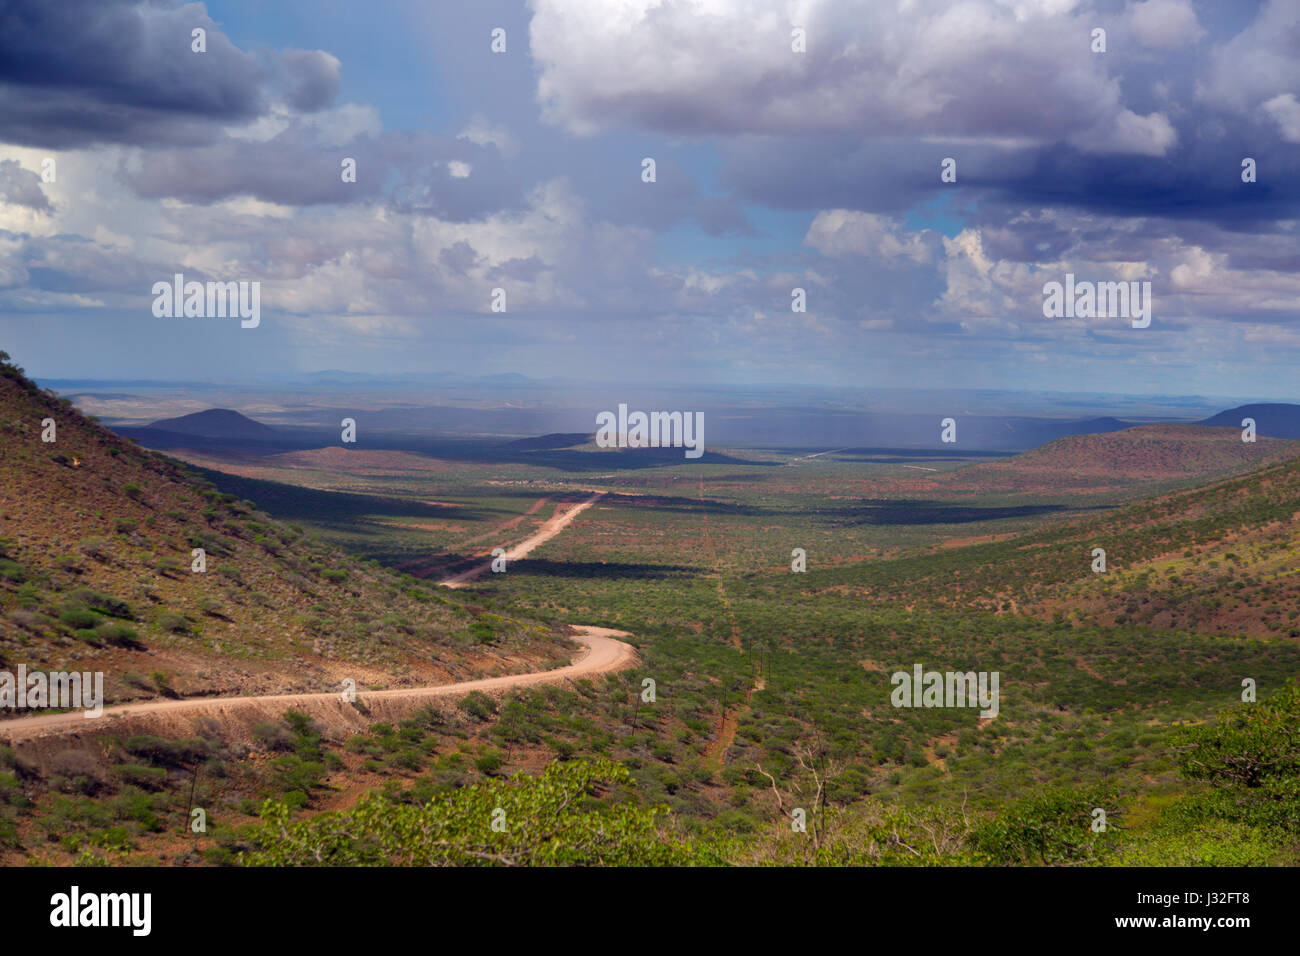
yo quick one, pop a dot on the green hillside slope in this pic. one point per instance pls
(97, 557)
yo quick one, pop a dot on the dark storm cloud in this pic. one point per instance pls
(524, 270)
(1201, 179)
(54, 273)
(314, 79)
(300, 167)
(1033, 238)
(830, 173)
(21, 187)
(458, 258)
(78, 72)
(429, 184)
(293, 168)
(75, 264)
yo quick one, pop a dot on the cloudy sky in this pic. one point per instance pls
(775, 169)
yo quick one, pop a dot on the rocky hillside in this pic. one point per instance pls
(98, 542)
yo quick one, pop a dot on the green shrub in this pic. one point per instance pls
(1049, 829)
(173, 622)
(407, 759)
(274, 736)
(147, 778)
(75, 771)
(218, 856)
(294, 773)
(1251, 760)
(477, 704)
(169, 753)
(489, 763)
(103, 603)
(94, 547)
(118, 635)
(79, 617)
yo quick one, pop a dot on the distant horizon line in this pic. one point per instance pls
(434, 378)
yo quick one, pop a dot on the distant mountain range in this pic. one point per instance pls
(1272, 420)
(419, 429)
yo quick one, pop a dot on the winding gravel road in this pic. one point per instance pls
(603, 654)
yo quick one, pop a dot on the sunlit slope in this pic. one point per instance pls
(1218, 558)
(1080, 464)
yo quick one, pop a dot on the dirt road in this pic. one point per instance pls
(604, 654)
(549, 530)
(815, 455)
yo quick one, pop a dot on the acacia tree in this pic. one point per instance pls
(807, 787)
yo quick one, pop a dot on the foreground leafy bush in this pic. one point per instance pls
(1251, 760)
(545, 824)
(1052, 828)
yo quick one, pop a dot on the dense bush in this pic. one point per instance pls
(541, 820)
